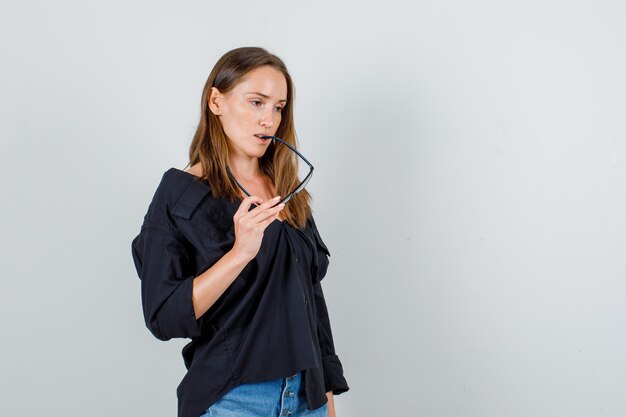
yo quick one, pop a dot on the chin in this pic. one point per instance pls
(257, 153)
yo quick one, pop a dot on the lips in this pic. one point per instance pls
(262, 141)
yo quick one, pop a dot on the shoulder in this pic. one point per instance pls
(177, 194)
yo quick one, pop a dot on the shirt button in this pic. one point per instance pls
(289, 394)
(306, 302)
(297, 259)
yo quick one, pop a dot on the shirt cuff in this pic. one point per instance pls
(333, 375)
(179, 318)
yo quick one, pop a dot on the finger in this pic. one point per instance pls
(260, 218)
(269, 203)
(246, 203)
(268, 221)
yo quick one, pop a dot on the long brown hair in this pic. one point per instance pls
(209, 145)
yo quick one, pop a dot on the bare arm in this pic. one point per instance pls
(331, 404)
(209, 286)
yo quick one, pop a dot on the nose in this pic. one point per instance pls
(267, 119)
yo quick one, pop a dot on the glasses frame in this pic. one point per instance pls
(298, 188)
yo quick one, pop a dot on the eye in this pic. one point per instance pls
(255, 101)
(280, 109)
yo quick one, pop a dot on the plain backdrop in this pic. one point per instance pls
(470, 185)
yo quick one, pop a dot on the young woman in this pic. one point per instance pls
(223, 263)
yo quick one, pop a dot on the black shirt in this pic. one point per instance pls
(271, 322)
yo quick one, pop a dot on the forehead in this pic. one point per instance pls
(265, 80)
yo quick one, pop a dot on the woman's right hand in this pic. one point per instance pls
(250, 225)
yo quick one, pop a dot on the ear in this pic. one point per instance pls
(214, 101)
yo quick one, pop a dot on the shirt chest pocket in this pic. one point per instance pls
(204, 221)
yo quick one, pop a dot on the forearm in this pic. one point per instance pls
(209, 286)
(331, 404)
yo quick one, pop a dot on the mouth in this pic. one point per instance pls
(264, 139)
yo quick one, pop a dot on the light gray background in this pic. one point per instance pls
(470, 172)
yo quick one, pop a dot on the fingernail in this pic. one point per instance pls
(277, 197)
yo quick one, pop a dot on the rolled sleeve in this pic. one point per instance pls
(323, 254)
(334, 379)
(166, 285)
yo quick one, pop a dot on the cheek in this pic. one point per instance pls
(235, 116)
(244, 113)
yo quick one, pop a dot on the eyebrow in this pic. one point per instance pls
(265, 96)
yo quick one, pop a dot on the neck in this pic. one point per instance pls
(245, 168)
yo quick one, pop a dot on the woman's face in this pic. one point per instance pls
(252, 107)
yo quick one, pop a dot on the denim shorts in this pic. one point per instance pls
(276, 398)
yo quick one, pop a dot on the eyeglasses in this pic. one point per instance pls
(302, 184)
